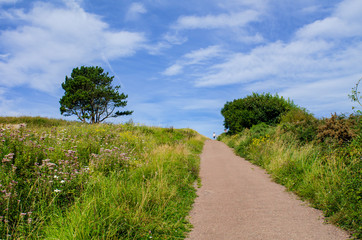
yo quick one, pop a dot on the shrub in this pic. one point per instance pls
(260, 130)
(336, 129)
(251, 110)
(301, 123)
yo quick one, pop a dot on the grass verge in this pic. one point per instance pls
(61, 180)
(328, 176)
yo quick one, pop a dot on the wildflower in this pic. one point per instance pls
(46, 161)
(22, 214)
(57, 190)
(29, 220)
(56, 177)
(49, 164)
(62, 181)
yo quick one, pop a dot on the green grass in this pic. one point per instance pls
(67, 180)
(327, 176)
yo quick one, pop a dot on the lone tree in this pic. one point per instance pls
(90, 96)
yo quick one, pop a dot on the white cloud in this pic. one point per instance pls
(346, 21)
(135, 10)
(242, 4)
(8, 1)
(195, 57)
(202, 54)
(312, 54)
(167, 41)
(173, 70)
(174, 38)
(75, 4)
(238, 19)
(4, 56)
(245, 38)
(51, 41)
(324, 96)
(8, 105)
(276, 59)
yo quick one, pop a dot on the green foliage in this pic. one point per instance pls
(329, 176)
(356, 96)
(251, 110)
(34, 121)
(301, 123)
(90, 96)
(261, 130)
(103, 181)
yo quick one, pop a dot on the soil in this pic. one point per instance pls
(238, 200)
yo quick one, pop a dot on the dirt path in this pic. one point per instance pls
(238, 200)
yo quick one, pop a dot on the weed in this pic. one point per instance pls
(64, 180)
(329, 176)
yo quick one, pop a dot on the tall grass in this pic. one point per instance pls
(61, 180)
(327, 176)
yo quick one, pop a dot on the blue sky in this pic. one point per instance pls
(180, 61)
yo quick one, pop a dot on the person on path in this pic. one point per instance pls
(214, 135)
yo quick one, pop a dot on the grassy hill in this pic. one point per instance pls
(68, 180)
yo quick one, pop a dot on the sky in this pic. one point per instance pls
(181, 61)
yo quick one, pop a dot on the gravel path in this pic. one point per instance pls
(238, 200)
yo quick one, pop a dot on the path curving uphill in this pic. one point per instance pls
(238, 200)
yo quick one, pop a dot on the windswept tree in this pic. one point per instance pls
(90, 96)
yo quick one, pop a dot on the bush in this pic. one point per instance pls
(252, 110)
(260, 130)
(336, 129)
(301, 123)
